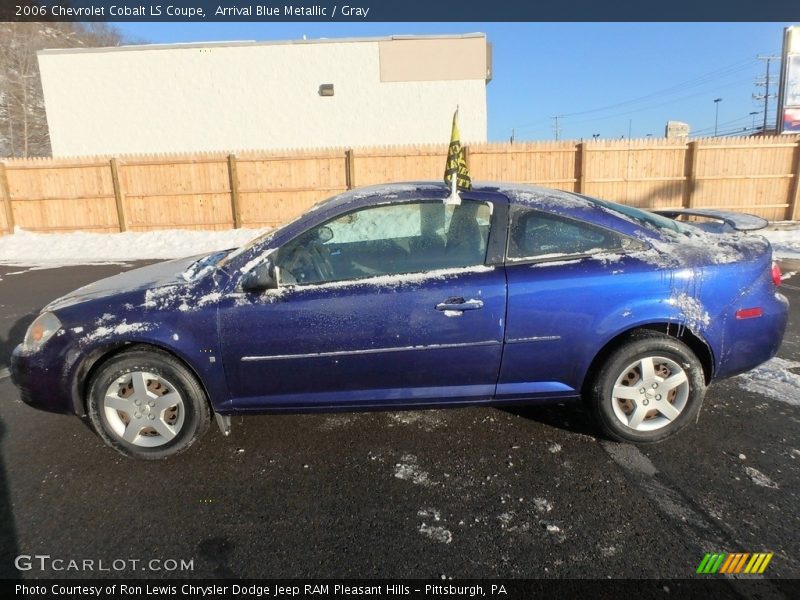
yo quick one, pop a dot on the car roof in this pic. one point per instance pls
(517, 193)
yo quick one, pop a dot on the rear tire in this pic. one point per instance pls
(147, 405)
(650, 388)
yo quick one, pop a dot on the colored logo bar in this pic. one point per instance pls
(734, 563)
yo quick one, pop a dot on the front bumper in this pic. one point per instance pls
(40, 383)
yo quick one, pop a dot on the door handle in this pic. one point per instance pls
(459, 304)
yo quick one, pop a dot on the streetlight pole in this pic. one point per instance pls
(753, 114)
(716, 114)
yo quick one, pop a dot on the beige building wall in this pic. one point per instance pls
(247, 95)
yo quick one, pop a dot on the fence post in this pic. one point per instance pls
(580, 168)
(793, 210)
(690, 175)
(233, 177)
(349, 170)
(118, 197)
(5, 191)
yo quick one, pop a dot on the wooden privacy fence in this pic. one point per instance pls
(218, 191)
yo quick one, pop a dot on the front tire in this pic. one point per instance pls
(650, 388)
(147, 405)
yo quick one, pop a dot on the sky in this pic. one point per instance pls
(601, 79)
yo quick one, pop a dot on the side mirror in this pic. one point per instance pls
(260, 278)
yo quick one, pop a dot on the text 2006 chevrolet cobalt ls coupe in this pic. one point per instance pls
(395, 297)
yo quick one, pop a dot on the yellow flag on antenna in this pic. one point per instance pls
(456, 161)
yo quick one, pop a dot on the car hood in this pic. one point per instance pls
(152, 276)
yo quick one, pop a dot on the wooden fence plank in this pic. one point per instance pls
(118, 197)
(690, 176)
(5, 191)
(793, 210)
(580, 168)
(236, 212)
(350, 169)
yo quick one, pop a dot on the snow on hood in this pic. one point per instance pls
(149, 278)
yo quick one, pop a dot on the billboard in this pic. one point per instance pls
(789, 90)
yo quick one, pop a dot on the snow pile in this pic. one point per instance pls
(436, 533)
(774, 380)
(409, 470)
(760, 479)
(80, 248)
(785, 239)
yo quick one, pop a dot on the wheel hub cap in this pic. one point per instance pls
(650, 393)
(144, 409)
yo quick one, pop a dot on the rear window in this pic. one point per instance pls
(537, 235)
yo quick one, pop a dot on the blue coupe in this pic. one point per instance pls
(403, 296)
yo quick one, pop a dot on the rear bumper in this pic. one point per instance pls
(39, 384)
(751, 342)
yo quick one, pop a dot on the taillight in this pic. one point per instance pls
(776, 274)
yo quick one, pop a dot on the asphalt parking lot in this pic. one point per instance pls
(480, 492)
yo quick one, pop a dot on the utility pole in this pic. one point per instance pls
(766, 96)
(630, 126)
(512, 135)
(716, 114)
(556, 126)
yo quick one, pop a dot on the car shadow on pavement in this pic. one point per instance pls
(8, 532)
(573, 416)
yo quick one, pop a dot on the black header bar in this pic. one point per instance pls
(401, 10)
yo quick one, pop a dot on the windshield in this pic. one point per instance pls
(642, 216)
(221, 261)
(267, 235)
(200, 267)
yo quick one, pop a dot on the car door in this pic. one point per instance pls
(565, 277)
(388, 304)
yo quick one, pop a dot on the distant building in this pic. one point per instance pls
(677, 130)
(265, 95)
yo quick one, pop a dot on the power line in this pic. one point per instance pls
(723, 124)
(665, 103)
(695, 82)
(678, 87)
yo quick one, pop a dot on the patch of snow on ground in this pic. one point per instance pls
(430, 513)
(427, 420)
(436, 533)
(760, 479)
(785, 239)
(542, 505)
(408, 470)
(337, 421)
(80, 248)
(774, 380)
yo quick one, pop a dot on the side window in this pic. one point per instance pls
(534, 234)
(388, 239)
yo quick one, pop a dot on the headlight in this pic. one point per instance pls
(41, 330)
